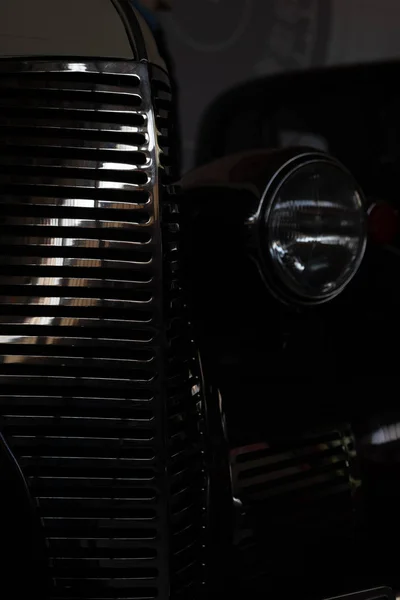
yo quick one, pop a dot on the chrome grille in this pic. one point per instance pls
(83, 342)
(185, 408)
(265, 471)
(299, 497)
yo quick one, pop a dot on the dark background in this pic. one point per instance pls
(217, 44)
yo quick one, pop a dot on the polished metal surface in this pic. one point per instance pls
(100, 397)
(262, 471)
(297, 495)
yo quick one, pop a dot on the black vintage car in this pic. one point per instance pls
(169, 424)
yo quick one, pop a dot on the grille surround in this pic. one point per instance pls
(101, 393)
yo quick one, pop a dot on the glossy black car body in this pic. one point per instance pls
(301, 383)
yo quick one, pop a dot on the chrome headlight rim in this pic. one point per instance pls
(286, 164)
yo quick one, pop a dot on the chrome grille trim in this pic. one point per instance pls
(300, 487)
(83, 342)
(189, 474)
(266, 471)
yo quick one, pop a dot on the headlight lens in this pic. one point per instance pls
(316, 232)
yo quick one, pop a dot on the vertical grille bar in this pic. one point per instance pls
(188, 484)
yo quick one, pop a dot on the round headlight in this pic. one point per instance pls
(314, 226)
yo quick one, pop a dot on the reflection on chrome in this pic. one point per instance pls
(120, 166)
(114, 185)
(79, 67)
(56, 276)
(385, 435)
(80, 242)
(119, 221)
(12, 339)
(312, 205)
(320, 238)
